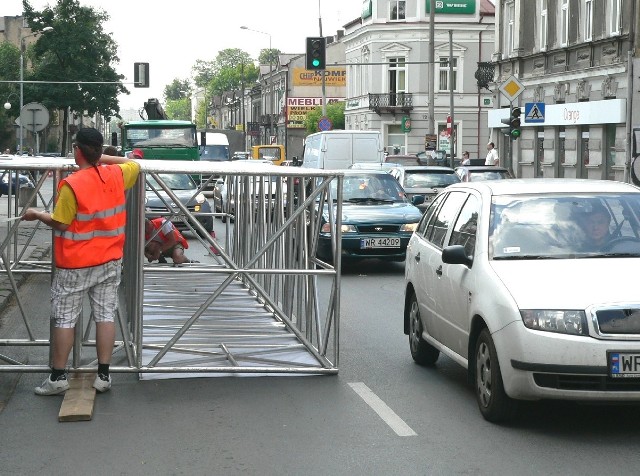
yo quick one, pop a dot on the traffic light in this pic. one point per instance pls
(140, 75)
(316, 53)
(514, 122)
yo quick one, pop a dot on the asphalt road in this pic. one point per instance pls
(381, 414)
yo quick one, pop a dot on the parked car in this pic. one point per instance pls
(17, 181)
(425, 181)
(225, 193)
(474, 173)
(378, 219)
(241, 155)
(506, 278)
(184, 187)
(404, 159)
(386, 166)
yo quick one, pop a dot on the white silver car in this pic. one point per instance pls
(530, 285)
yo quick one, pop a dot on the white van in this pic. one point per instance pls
(214, 146)
(340, 149)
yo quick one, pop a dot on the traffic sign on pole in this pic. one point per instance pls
(324, 124)
(511, 88)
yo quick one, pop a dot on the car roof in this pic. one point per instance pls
(479, 168)
(365, 172)
(426, 168)
(547, 185)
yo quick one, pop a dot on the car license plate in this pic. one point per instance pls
(367, 243)
(624, 364)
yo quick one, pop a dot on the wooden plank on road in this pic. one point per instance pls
(79, 399)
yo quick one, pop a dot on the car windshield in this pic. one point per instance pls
(173, 181)
(161, 137)
(369, 188)
(419, 179)
(563, 226)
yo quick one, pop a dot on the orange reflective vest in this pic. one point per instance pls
(96, 234)
(157, 224)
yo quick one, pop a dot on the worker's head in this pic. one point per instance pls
(89, 143)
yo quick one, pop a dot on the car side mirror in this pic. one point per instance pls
(417, 200)
(456, 254)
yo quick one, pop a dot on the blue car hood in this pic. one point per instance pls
(379, 213)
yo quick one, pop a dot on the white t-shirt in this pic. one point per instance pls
(492, 158)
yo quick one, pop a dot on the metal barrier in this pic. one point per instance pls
(262, 303)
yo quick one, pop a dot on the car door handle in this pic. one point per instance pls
(417, 257)
(439, 270)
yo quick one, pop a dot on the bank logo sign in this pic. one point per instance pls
(459, 7)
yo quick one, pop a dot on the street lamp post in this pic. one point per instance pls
(44, 30)
(270, 82)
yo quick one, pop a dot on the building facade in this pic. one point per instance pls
(387, 52)
(574, 60)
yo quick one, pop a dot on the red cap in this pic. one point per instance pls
(137, 153)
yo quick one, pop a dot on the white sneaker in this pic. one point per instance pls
(50, 387)
(100, 384)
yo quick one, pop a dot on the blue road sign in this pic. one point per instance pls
(324, 124)
(534, 112)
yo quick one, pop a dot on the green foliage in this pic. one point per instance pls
(201, 116)
(178, 109)
(9, 92)
(335, 113)
(268, 56)
(178, 89)
(78, 49)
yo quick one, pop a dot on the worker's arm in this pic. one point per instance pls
(32, 214)
(114, 159)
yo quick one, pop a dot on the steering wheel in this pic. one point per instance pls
(626, 244)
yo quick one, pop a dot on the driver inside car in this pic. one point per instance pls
(596, 228)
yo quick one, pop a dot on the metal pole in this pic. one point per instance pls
(270, 87)
(21, 90)
(452, 143)
(324, 90)
(432, 68)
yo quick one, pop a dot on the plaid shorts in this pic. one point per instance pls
(70, 285)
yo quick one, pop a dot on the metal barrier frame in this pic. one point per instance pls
(269, 250)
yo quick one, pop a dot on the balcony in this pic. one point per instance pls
(265, 119)
(391, 103)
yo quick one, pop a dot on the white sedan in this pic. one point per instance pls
(530, 285)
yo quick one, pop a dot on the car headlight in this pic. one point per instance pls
(410, 227)
(564, 322)
(200, 198)
(326, 228)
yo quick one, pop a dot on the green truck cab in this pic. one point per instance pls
(162, 139)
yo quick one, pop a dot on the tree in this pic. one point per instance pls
(233, 69)
(77, 50)
(9, 71)
(178, 109)
(178, 89)
(335, 113)
(269, 56)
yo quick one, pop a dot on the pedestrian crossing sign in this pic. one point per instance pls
(534, 112)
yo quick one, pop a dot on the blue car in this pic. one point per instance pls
(18, 180)
(377, 218)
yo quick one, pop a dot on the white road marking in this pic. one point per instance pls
(382, 409)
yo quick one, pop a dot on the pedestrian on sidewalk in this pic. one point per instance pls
(88, 221)
(492, 155)
(163, 240)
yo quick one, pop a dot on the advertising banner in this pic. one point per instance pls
(298, 108)
(332, 77)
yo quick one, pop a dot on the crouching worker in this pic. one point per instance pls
(163, 240)
(88, 221)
